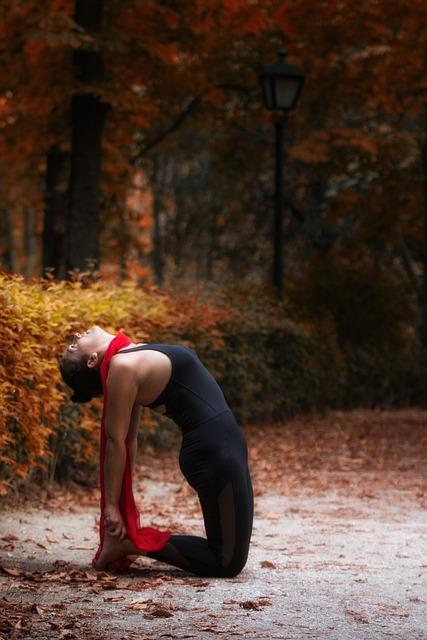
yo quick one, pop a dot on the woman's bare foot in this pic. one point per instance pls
(115, 549)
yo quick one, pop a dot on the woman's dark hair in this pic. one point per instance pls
(85, 381)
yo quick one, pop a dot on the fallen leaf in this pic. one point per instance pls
(159, 612)
(9, 537)
(357, 616)
(272, 515)
(108, 585)
(138, 605)
(12, 571)
(266, 564)
(66, 633)
(255, 605)
(82, 547)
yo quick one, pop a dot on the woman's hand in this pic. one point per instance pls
(114, 524)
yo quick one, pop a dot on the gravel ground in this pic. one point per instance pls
(337, 554)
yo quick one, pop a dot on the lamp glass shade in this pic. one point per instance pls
(286, 92)
(281, 84)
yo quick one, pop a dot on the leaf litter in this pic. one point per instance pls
(362, 453)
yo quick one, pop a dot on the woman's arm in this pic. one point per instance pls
(122, 391)
(133, 434)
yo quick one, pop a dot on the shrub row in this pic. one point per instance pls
(268, 366)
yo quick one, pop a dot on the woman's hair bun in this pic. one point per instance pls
(81, 396)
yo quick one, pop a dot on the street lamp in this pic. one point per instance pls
(281, 84)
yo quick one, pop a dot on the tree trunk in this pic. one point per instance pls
(55, 215)
(423, 314)
(157, 251)
(157, 260)
(30, 243)
(87, 123)
(8, 258)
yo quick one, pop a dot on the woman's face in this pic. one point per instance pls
(88, 342)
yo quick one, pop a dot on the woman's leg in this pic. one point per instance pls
(214, 461)
(228, 517)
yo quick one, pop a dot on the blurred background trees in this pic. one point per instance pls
(134, 141)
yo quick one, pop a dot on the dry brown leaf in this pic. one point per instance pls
(159, 612)
(266, 564)
(271, 515)
(357, 616)
(256, 605)
(108, 585)
(82, 547)
(9, 537)
(12, 571)
(139, 605)
(66, 633)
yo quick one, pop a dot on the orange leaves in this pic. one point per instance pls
(167, 52)
(281, 19)
(241, 18)
(215, 97)
(324, 145)
(34, 50)
(62, 6)
(37, 425)
(311, 152)
(254, 23)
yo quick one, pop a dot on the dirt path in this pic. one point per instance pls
(339, 546)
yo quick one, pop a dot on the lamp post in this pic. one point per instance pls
(281, 84)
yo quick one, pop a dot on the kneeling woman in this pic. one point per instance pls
(213, 456)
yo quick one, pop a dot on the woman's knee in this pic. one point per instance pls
(233, 569)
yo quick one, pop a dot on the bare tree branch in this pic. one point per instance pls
(173, 127)
(191, 106)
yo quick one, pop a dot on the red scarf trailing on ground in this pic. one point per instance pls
(144, 538)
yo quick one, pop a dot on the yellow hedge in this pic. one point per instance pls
(36, 320)
(268, 366)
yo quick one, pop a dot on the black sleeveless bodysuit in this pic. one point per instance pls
(213, 458)
(192, 395)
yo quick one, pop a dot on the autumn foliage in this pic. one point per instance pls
(185, 196)
(268, 365)
(35, 322)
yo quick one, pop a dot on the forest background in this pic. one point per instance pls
(136, 182)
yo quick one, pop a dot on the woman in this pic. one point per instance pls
(169, 379)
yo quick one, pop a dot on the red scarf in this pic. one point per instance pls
(144, 538)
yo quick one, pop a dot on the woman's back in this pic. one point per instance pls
(192, 395)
